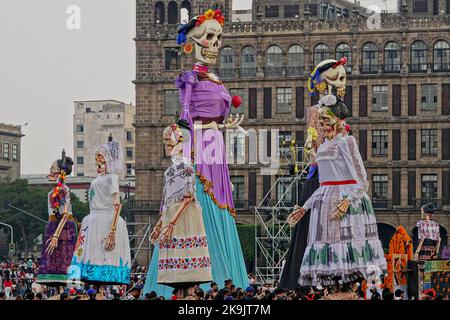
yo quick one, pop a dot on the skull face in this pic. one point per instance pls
(54, 172)
(208, 40)
(336, 77)
(100, 161)
(329, 122)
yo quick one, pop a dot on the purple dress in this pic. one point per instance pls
(53, 270)
(208, 101)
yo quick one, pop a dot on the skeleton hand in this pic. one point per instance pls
(340, 211)
(168, 232)
(111, 241)
(233, 122)
(295, 216)
(155, 234)
(51, 244)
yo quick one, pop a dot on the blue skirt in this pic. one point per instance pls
(224, 248)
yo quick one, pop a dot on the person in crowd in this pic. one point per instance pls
(399, 294)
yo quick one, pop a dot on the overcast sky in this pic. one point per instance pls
(44, 67)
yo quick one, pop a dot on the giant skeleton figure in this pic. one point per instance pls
(205, 112)
(328, 77)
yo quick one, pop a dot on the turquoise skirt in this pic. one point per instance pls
(224, 248)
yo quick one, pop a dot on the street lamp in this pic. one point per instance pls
(11, 245)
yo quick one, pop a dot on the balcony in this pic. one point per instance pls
(418, 68)
(241, 205)
(225, 74)
(369, 69)
(273, 72)
(295, 71)
(438, 203)
(381, 204)
(392, 68)
(441, 67)
(248, 72)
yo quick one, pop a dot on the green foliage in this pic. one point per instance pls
(31, 199)
(246, 234)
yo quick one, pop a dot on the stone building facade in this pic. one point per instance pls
(398, 90)
(10, 147)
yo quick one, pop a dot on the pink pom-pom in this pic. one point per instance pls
(236, 101)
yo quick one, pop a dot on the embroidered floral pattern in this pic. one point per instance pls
(185, 243)
(184, 263)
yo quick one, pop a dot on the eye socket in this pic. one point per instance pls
(210, 36)
(219, 37)
(342, 79)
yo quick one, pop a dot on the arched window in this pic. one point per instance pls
(160, 13)
(248, 62)
(392, 57)
(227, 63)
(185, 12)
(370, 58)
(172, 13)
(441, 56)
(344, 50)
(321, 52)
(296, 60)
(274, 61)
(419, 57)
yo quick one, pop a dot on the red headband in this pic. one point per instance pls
(341, 61)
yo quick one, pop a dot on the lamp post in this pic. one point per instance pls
(11, 245)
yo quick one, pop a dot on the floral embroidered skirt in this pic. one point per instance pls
(53, 269)
(91, 262)
(348, 249)
(184, 259)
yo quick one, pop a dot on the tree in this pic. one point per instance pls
(32, 199)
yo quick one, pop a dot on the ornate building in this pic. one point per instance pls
(398, 90)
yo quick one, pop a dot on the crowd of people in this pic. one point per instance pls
(18, 282)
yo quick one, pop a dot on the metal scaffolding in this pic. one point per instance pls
(272, 232)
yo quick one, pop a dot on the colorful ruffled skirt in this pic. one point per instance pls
(348, 249)
(53, 269)
(91, 262)
(223, 244)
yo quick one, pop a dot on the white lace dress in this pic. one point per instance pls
(349, 247)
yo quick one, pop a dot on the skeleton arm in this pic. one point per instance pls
(52, 243)
(169, 231)
(111, 240)
(419, 247)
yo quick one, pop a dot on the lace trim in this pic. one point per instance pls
(207, 186)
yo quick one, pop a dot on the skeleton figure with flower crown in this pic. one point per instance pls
(205, 104)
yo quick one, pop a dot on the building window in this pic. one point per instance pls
(129, 152)
(129, 136)
(172, 17)
(291, 11)
(238, 191)
(160, 13)
(272, 11)
(171, 102)
(321, 52)
(379, 187)
(274, 61)
(370, 58)
(15, 152)
(248, 62)
(6, 150)
(392, 57)
(129, 169)
(314, 9)
(429, 97)
(379, 142)
(344, 50)
(80, 174)
(429, 188)
(243, 93)
(80, 144)
(379, 98)
(80, 128)
(429, 141)
(284, 100)
(173, 59)
(420, 6)
(419, 57)
(185, 12)
(227, 64)
(284, 141)
(296, 60)
(441, 56)
(286, 196)
(238, 147)
(80, 160)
